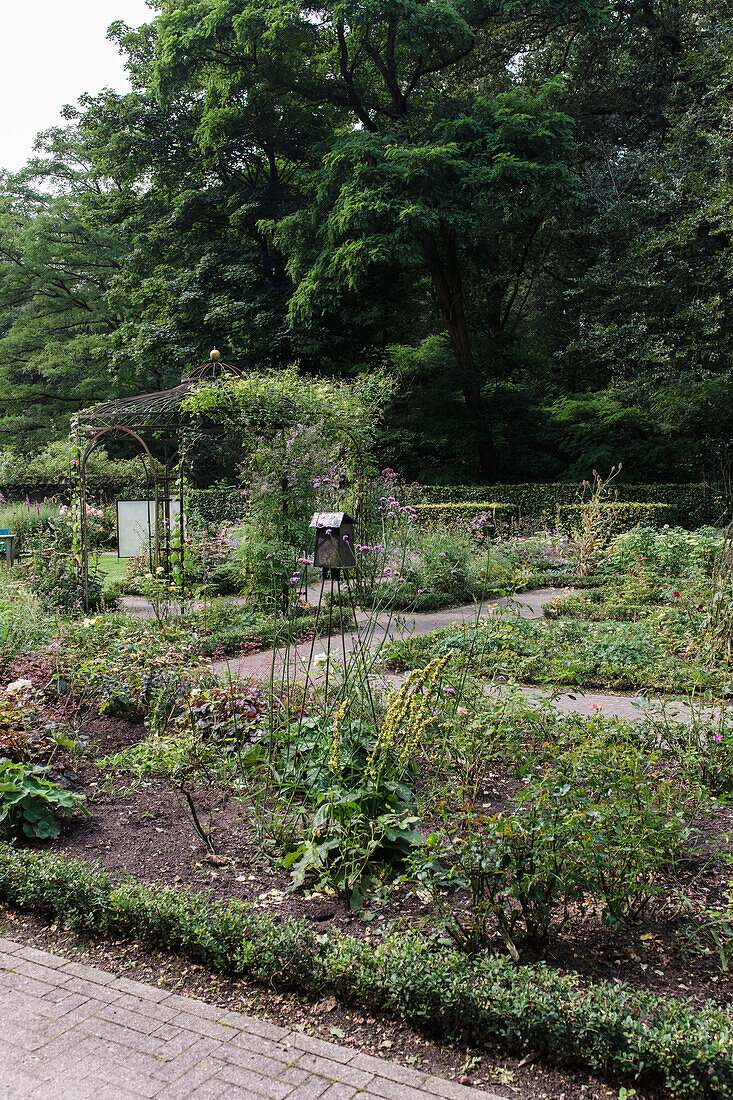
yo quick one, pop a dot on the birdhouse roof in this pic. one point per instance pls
(330, 519)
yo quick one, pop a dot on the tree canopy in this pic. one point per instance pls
(519, 209)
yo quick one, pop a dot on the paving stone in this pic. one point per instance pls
(294, 1075)
(152, 1009)
(259, 1063)
(203, 1025)
(313, 1045)
(43, 958)
(116, 1014)
(140, 989)
(335, 1071)
(198, 1052)
(200, 1077)
(311, 1089)
(256, 1082)
(339, 1091)
(394, 1072)
(210, 1090)
(190, 1004)
(71, 1032)
(89, 973)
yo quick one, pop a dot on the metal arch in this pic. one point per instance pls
(88, 451)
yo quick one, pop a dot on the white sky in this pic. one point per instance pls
(51, 51)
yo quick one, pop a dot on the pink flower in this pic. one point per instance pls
(676, 595)
(597, 706)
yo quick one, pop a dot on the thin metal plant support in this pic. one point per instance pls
(328, 649)
(310, 656)
(360, 649)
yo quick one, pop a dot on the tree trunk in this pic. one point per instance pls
(449, 295)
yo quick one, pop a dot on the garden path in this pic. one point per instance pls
(528, 605)
(70, 1031)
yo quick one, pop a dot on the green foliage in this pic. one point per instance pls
(603, 1026)
(48, 471)
(688, 505)
(54, 577)
(25, 622)
(466, 510)
(30, 803)
(214, 507)
(426, 567)
(674, 551)
(592, 823)
(647, 654)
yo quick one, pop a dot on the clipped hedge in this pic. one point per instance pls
(626, 514)
(606, 1027)
(217, 506)
(692, 505)
(445, 511)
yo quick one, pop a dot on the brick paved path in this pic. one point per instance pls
(69, 1031)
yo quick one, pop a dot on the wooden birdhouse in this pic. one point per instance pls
(334, 540)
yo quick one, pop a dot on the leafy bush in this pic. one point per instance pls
(55, 578)
(355, 778)
(593, 823)
(30, 803)
(28, 733)
(48, 472)
(24, 622)
(655, 652)
(424, 568)
(604, 1027)
(674, 551)
(444, 511)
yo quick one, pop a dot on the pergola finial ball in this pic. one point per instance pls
(215, 354)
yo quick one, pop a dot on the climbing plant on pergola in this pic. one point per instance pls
(236, 412)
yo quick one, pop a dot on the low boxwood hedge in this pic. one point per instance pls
(606, 1027)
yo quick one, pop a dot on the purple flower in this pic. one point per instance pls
(449, 691)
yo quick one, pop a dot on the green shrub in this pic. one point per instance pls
(47, 473)
(30, 803)
(214, 507)
(623, 515)
(594, 822)
(691, 504)
(674, 552)
(444, 511)
(605, 1027)
(54, 577)
(24, 622)
(644, 654)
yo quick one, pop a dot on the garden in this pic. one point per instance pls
(316, 781)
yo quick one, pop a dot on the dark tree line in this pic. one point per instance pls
(520, 208)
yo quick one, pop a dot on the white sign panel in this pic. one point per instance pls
(136, 526)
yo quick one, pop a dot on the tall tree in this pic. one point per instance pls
(423, 173)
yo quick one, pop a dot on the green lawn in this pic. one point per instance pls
(112, 567)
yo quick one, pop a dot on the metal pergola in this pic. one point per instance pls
(157, 428)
